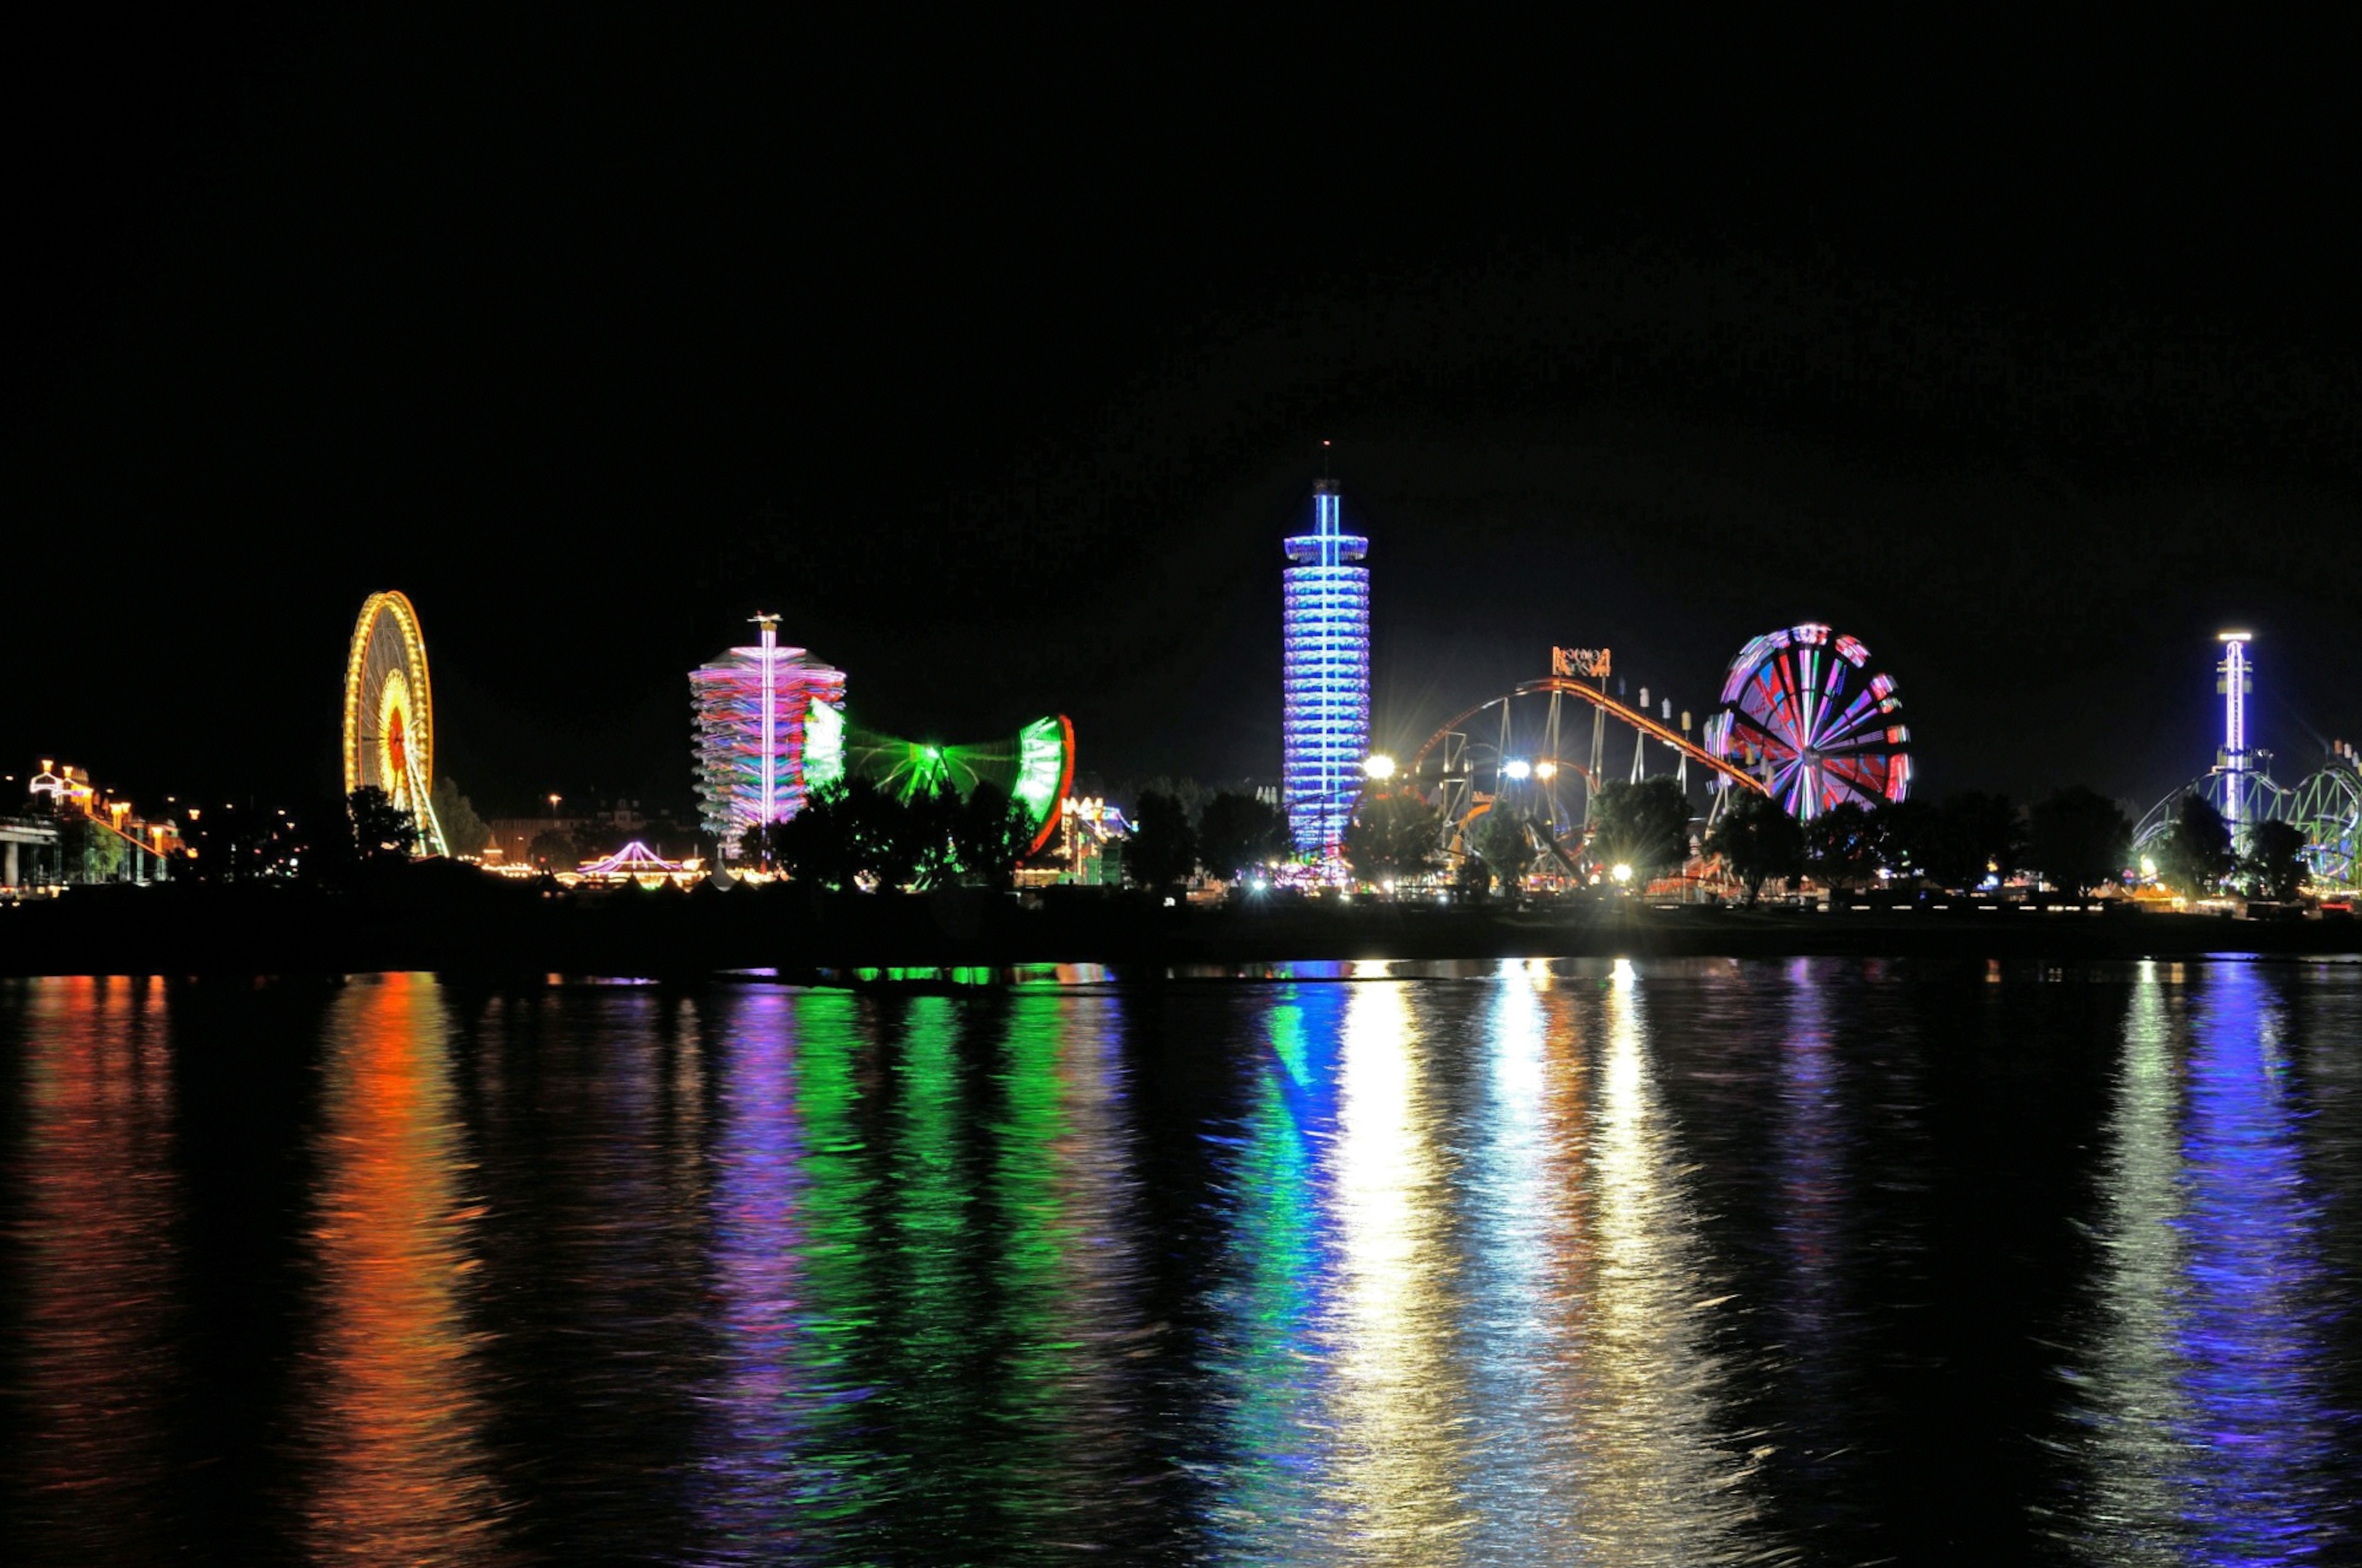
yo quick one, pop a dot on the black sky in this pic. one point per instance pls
(998, 366)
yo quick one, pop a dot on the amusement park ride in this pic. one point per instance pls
(1805, 719)
(390, 714)
(771, 727)
(2326, 806)
(770, 723)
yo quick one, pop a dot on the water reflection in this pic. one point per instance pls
(2207, 1433)
(1066, 1282)
(390, 1407)
(1498, 1263)
(1265, 1297)
(1469, 1315)
(786, 1224)
(1398, 1412)
(1525, 1202)
(101, 1270)
(1666, 1481)
(924, 1280)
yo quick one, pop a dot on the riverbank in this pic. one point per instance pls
(450, 920)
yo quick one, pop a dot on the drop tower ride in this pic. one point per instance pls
(2237, 680)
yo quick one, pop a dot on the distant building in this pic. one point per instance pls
(601, 831)
(1325, 631)
(513, 837)
(770, 726)
(91, 835)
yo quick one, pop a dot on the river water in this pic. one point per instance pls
(1824, 1261)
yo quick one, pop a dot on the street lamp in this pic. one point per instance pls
(1379, 766)
(1518, 768)
(1622, 873)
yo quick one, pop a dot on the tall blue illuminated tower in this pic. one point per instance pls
(1325, 631)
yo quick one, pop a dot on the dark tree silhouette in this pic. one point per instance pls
(555, 848)
(1841, 847)
(926, 833)
(2078, 839)
(2196, 853)
(1504, 848)
(814, 846)
(990, 833)
(1644, 825)
(381, 830)
(1163, 848)
(464, 832)
(1391, 836)
(1757, 840)
(1237, 832)
(2274, 865)
(1978, 835)
(1905, 832)
(854, 833)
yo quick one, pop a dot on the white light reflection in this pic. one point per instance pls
(1528, 1273)
(1400, 1416)
(2136, 1400)
(1660, 1489)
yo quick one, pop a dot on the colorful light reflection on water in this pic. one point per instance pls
(2217, 1331)
(1517, 1263)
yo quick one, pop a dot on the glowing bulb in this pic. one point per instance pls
(1545, 770)
(1518, 768)
(1622, 874)
(1379, 764)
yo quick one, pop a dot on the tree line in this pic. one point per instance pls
(2075, 839)
(853, 835)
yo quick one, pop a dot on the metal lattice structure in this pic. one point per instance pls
(1515, 747)
(2327, 809)
(1325, 633)
(2325, 806)
(1804, 712)
(769, 728)
(390, 713)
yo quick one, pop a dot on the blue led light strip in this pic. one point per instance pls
(1325, 642)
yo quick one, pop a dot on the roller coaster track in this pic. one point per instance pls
(1613, 709)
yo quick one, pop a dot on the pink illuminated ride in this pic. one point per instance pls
(1806, 715)
(771, 729)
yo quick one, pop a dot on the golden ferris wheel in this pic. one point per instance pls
(390, 713)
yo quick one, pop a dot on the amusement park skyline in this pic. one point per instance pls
(1011, 422)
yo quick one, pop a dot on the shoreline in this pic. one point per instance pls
(435, 924)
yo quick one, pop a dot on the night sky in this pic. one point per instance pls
(999, 367)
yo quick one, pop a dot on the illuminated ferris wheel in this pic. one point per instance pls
(390, 713)
(1804, 712)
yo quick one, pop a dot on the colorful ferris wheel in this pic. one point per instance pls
(390, 713)
(1804, 712)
